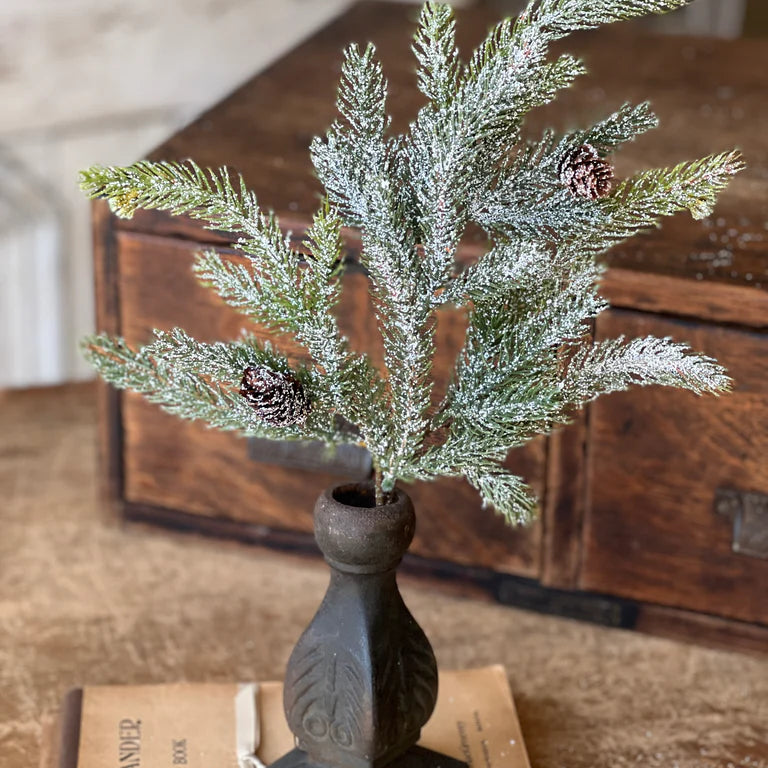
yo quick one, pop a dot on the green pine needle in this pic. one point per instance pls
(528, 360)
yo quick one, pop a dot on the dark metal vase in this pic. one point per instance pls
(362, 680)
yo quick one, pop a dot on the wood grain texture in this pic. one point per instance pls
(181, 465)
(563, 516)
(700, 628)
(107, 294)
(668, 295)
(656, 459)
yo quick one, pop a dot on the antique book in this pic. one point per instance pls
(229, 725)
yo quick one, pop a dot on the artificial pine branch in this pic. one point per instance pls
(617, 364)
(527, 197)
(550, 207)
(693, 186)
(196, 381)
(626, 124)
(435, 49)
(181, 188)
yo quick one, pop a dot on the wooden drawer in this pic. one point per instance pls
(666, 474)
(178, 465)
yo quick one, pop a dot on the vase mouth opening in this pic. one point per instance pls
(361, 495)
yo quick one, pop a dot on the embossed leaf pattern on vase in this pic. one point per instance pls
(407, 683)
(328, 699)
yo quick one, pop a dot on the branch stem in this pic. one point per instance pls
(378, 490)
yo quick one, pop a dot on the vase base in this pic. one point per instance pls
(415, 757)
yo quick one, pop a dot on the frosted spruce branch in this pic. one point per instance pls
(617, 364)
(275, 287)
(199, 381)
(355, 162)
(550, 208)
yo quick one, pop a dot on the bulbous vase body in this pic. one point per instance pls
(362, 679)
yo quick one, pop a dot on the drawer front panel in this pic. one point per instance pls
(185, 466)
(675, 482)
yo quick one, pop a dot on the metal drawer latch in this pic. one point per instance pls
(749, 513)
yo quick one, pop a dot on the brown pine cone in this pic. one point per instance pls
(585, 173)
(278, 398)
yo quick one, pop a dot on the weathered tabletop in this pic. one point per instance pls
(85, 600)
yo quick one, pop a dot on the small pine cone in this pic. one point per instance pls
(585, 173)
(278, 398)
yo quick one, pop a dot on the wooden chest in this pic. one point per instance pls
(654, 504)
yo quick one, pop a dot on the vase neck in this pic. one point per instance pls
(359, 539)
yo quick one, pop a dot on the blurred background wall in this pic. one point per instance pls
(101, 81)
